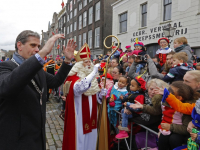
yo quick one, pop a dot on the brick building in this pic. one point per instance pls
(87, 21)
(145, 19)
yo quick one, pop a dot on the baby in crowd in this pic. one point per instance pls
(179, 68)
(137, 89)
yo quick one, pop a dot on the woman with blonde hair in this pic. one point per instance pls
(151, 109)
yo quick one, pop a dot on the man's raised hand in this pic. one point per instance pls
(49, 45)
(69, 50)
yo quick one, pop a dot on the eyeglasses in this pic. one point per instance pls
(115, 72)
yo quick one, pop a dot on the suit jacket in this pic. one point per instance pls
(22, 118)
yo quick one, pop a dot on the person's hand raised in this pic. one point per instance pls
(136, 105)
(49, 45)
(68, 51)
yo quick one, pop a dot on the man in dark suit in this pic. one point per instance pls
(23, 91)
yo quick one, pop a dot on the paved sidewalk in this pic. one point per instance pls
(54, 126)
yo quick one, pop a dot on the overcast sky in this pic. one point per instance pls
(19, 15)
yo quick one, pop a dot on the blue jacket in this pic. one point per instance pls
(176, 73)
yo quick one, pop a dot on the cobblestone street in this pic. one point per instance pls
(54, 126)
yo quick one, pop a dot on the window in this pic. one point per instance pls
(144, 15)
(61, 21)
(74, 1)
(84, 3)
(64, 42)
(97, 11)
(67, 18)
(90, 1)
(64, 31)
(68, 30)
(74, 26)
(97, 37)
(123, 22)
(90, 15)
(80, 6)
(79, 41)
(71, 28)
(64, 19)
(90, 39)
(84, 38)
(71, 15)
(74, 38)
(84, 18)
(167, 9)
(71, 6)
(75, 12)
(80, 22)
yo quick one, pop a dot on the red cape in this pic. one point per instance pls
(69, 135)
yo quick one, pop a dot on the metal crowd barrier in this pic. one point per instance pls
(147, 130)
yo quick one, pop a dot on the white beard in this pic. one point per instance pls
(83, 72)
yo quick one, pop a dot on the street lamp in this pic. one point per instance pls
(169, 31)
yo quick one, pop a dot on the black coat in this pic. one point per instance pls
(22, 118)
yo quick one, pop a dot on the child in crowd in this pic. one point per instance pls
(179, 68)
(174, 124)
(137, 89)
(139, 52)
(121, 53)
(113, 95)
(109, 81)
(128, 50)
(107, 55)
(116, 54)
(181, 45)
(163, 51)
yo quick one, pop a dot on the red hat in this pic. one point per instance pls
(108, 76)
(163, 38)
(114, 47)
(83, 53)
(141, 82)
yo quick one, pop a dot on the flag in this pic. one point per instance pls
(62, 4)
(58, 46)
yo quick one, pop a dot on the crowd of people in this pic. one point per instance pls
(160, 92)
(141, 87)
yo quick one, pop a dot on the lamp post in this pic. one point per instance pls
(169, 31)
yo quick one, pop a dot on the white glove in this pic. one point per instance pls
(103, 92)
(96, 67)
(90, 77)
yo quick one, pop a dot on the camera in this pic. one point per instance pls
(143, 57)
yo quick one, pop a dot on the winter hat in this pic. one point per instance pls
(114, 47)
(128, 46)
(163, 38)
(137, 43)
(120, 50)
(141, 82)
(108, 76)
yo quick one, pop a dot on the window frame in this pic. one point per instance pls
(79, 41)
(85, 19)
(90, 15)
(80, 22)
(90, 39)
(120, 22)
(97, 10)
(80, 5)
(143, 13)
(165, 11)
(97, 40)
(84, 39)
(75, 25)
(85, 3)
